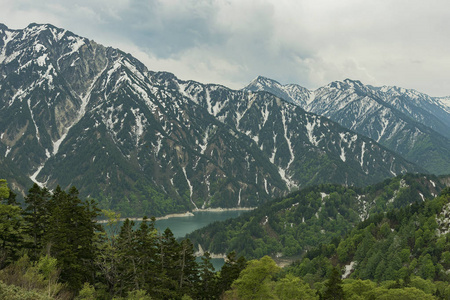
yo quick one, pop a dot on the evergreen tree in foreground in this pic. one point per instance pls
(334, 289)
(36, 215)
(70, 236)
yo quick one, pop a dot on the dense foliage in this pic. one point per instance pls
(55, 247)
(262, 279)
(410, 244)
(292, 225)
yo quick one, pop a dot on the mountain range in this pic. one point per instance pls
(73, 112)
(407, 122)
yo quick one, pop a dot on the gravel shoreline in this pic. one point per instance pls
(186, 214)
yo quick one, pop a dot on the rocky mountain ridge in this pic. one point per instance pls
(410, 123)
(73, 112)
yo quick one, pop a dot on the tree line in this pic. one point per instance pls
(55, 244)
(54, 248)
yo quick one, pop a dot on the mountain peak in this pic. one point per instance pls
(264, 81)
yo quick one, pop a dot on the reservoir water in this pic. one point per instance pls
(180, 226)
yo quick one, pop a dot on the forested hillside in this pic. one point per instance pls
(406, 246)
(53, 248)
(291, 225)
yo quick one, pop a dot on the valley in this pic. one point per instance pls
(147, 143)
(345, 186)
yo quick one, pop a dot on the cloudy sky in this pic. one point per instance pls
(308, 42)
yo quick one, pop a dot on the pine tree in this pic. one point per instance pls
(126, 259)
(208, 279)
(11, 235)
(36, 216)
(169, 264)
(230, 272)
(147, 250)
(188, 276)
(333, 288)
(70, 237)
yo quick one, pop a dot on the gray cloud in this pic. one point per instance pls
(309, 42)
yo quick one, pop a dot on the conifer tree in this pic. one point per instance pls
(230, 272)
(208, 279)
(188, 278)
(70, 237)
(126, 259)
(147, 250)
(36, 216)
(333, 290)
(11, 236)
(169, 263)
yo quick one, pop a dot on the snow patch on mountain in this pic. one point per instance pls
(310, 130)
(288, 140)
(265, 115)
(139, 121)
(8, 149)
(343, 139)
(191, 189)
(289, 183)
(444, 102)
(239, 197)
(205, 143)
(32, 119)
(9, 36)
(272, 158)
(58, 34)
(384, 123)
(363, 151)
(265, 186)
(35, 174)
(312, 96)
(82, 112)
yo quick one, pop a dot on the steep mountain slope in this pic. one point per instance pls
(73, 112)
(292, 225)
(444, 102)
(79, 113)
(306, 148)
(17, 181)
(405, 121)
(418, 106)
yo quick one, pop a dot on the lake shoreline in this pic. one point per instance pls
(183, 215)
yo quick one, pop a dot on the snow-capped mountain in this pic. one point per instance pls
(444, 102)
(73, 112)
(293, 93)
(408, 122)
(418, 106)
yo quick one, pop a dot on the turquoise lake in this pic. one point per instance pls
(180, 226)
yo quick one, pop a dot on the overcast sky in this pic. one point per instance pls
(307, 42)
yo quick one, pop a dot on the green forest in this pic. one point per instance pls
(53, 247)
(294, 224)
